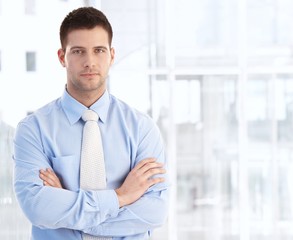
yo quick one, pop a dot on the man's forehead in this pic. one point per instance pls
(88, 37)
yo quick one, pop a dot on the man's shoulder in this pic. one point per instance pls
(44, 111)
(131, 116)
(126, 109)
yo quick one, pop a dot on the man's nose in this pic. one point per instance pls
(89, 61)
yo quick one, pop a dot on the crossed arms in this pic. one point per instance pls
(135, 207)
(137, 182)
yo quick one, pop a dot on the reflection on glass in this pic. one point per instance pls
(31, 61)
(13, 224)
(285, 206)
(208, 161)
(285, 107)
(207, 33)
(258, 115)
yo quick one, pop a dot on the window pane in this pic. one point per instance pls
(13, 224)
(30, 61)
(285, 108)
(285, 206)
(258, 108)
(30, 7)
(206, 33)
(207, 153)
(269, 37)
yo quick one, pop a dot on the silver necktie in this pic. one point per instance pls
(92, 166)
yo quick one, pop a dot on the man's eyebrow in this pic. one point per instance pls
(103, 47)
(79, 47)
(96, 47)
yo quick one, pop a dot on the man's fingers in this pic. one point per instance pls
(151, 175)
(145, 165)
(149, 178)
(42, 175)
(52, 173)
(144, 162)
(153, 181)
(46, 183)
(144, 175)
(49, 178)
(148, 167)
(46, 175)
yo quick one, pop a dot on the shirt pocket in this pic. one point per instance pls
(67, 169)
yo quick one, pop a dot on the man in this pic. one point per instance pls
(47, 149)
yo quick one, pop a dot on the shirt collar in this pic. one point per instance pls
(74, 109)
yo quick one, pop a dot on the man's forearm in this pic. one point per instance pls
(49, 207)
(147, 213)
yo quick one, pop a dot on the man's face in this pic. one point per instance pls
(87, 59)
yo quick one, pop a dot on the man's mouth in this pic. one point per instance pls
(88, 74)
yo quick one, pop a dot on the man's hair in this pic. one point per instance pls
(84, 18)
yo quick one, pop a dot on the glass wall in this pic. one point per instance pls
(216, 76)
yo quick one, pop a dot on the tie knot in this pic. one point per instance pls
(90, 115)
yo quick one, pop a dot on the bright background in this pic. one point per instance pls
(217, 77)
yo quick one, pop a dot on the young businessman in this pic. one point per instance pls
(47, 149)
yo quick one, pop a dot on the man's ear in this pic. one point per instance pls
(112, 52)
(61, 56)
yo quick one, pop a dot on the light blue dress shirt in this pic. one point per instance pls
(51, 138)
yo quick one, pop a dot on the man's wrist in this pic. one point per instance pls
(120, 197)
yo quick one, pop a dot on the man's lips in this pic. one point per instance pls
(88, 74)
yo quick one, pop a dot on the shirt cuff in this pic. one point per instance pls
(108, 204)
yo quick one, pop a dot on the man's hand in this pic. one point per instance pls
(50, 178)
(137, 182)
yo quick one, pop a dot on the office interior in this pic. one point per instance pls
(215, 75)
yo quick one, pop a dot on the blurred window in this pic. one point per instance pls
(30, 7)
(31, 61)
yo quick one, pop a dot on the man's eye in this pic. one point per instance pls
(99, 50)
(77, 51)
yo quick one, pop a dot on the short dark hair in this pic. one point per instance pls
(84, 18)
